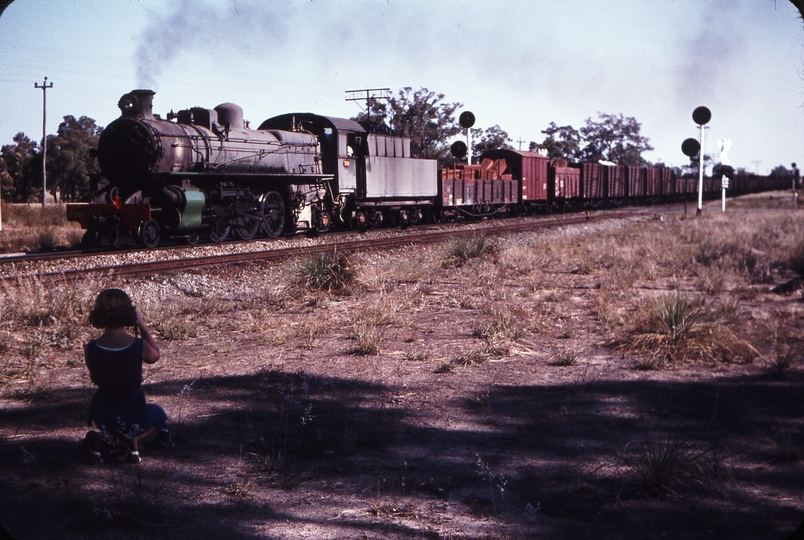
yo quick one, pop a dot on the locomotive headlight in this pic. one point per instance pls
(129, 105)
(346, 163)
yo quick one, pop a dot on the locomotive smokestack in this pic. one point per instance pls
(138, 103)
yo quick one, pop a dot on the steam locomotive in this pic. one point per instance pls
(204, 174)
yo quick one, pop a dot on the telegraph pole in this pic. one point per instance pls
(371, 94)
(44, 88)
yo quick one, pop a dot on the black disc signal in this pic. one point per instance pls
(701, 115)
(466, 119)
(458, 149)
(690, 147)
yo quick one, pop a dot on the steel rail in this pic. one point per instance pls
(176, 265)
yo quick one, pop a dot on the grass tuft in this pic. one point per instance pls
(459, 250)
(675, 328)
(567, 357)
(677, 315)
(368, 339)
(330, 272)
(671, 465)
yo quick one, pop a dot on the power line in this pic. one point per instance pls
(370, 95)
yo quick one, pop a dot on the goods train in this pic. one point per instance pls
(204, 174)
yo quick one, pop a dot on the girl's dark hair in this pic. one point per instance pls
(113, 309)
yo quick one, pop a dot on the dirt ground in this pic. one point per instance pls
(502, 396)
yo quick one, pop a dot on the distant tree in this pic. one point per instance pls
(691, 168)
(614, 138)
(421, 115)
(69, 163)
(493, 138)
(374, 118)
(16, 171)
(560, 142)
(781, 171)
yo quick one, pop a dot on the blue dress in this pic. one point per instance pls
(118, 407)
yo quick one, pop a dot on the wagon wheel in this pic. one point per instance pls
(149, 233)
(273, 214)
(219, 232)
(355, 222)
(374, 220)
(246, 226)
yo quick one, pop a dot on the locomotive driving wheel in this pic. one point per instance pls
(273, 214)
(246, 226)
(149, 233)
(248, 218)
(219, 232)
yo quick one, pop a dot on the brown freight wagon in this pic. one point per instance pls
(528, 175)
(654, 183)
(475, 190)
(692, 186)
(616, 186)
(668, 181)
(593, 183)
(636, 179)
(564, 186)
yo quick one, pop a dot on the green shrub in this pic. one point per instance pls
(672, 464)
(324, 271)
(461, 249)
(676, 313)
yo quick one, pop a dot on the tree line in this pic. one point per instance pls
(422, 115)
(430, 122)
(69, 162)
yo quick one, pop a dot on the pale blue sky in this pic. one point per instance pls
(520, 64)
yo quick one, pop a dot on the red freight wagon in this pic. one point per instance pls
(529, 172)
(564, 184)
(654, 183)
(593, 182)
(636, 178)
(668, 181)
(692, 185)
(615, 181)
(484, 193)
(474, 190)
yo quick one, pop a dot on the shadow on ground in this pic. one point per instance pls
(548, 461)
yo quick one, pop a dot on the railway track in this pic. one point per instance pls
(367, 241)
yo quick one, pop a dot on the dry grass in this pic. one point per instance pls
(330, 272)
(672, 464)
(287, 393)
(672, 329)
(463, 248)
(31, 228)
